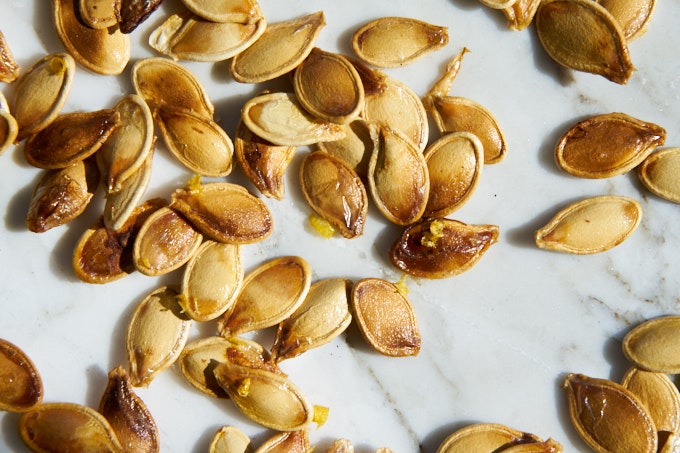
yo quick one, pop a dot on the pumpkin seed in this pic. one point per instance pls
(390, 42)
(658, 173)
(21, 388)
(229, 439)
(200, 144)
(224, 212)
(156, 335)
(127, 414)
(70, 138)
(265, 397)
(104, 51)
(583, 35)
(521, 13)
(546, 446)
(454, 165)
(361, 138)
(240, 11)
(340, 446)
(287, 442)
(607, 145)
(61, 195)
(658, 393)
(120, 205)
(483, 438)
(270, 294)
(97, 13)
(279, 118)
(441, 248)
(280, 49)
(186, 36)
(652, 345)
(632, 15)
(323, 315)
(328, 87)
(8, 129)
(165, 242)
(385, 317)
(67, 427)
(592, 225)
(670, 443)
(40, 93)
(262, 162)
(9, 69)
(398, 178)
(498, 4)
(212, 280)
(131, 13)
(607, 416)
(335, 192)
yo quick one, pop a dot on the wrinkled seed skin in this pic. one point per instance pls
(21, 387)
(654, 345)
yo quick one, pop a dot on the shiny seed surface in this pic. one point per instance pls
(241, 11)
(21, 387)
(659, 394)
(483, 437)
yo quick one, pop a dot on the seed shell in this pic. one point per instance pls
(286, 442)
(484, 438)
(21, 387)
(131, 13)
(632, 15)
(521, 14)
(659, 173)
(654, 344)
(8, 130)
(240, 11)
(229, 439)
(9, 69)
(658, 393)
(361, 139)
(97, 13)
(340, 446)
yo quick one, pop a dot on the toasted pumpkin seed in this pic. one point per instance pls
(270, 294)
(361, 138)
(340, 446)
(335, 192)
(483, 438)
(241, 11)
(398, 178)
(61, 195)
(658, 393)
(21, 387)
(67, 427)
(97, 13)
(120, 205)
(669, 442)
(441, 248)
(8, 129)
(279, 118)
(329, 87)
(498, 4)
(127, 414)
(323, 315)
(521, 13)
(186, 36)
(607, 416)
(200, 144)
(592, 225)
(658, 172)
(40, 93)
(287, 442)
(632, 16)
(70, 138)
(165, 242)
(583, 35)
(280, 49)
(104, 51)
(390, 42)
(263, 162)
(546, 446)
(225, 212)
(652, 345)
(607, 145)
(385, 317)
(156, 335)
(131, 13)
(9, 69)
(229, 439)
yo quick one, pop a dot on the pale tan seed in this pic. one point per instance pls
(156, 335)
(229, 439)
(240, 11)
(654, 344)
(659, 394)
(607, 145)
(8, 130)
(287, 442)
(9, 69)
(120, 205)
(21, 388)
(592, 225)
(280, 49)
(361, 139)
(632, 15)
(340, 446)
(131, 13)
(390, 42)
(659, 173)
(609, 417)
(483, 438)
(98, 13)
(583, 35)
(521, 14)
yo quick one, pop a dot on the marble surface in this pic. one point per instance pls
(497, 340)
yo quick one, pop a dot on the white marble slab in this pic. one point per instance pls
(497, 340)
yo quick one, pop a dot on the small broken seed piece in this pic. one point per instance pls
(9, 69)
(229, 439)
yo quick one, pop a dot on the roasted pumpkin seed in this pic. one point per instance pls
(270, 294)
(280, 49)
(607, 145)
(546, 446)
(484, 438)
(653, 345)
(361, 139)
(632, 16)
(583, 35)
(658, 393)
(156, 335)
(127, 414)
(229, 439)
(9, 69)
(131, 13)
(8, 129)
(340, 446)
(592, 225)
(521, 13)
(441, 248)
(390, 42)
(21, 387)
(659, 171)
(241, 11)
(120, 205)
(335, 192)
(287, 442)
(608, 417)
(97, 13)
(498, 4)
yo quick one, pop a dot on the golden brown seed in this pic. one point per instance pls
(127, 414)
(97, 13)
(669, 442)
(361, 138)
(390, 42)
(229, 439)
(441, 248)
(286, 442)
(335, 192)
(224, 212)
(607, 145)
(658, 393)
(484, 438)
(323, 315)
(659, 171)
(608, 417)
(654, 344)
(340, 446)
(131, 13)
(21, 387)
(280, 49)
(240, 11)
(102, 51)
(156, 335)
(583, 35)
(592, 225)
(632, 15)
(61, 195)
(9, 69)
(521, 13)
(546, 446)
(385, 317)
(270, 294)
